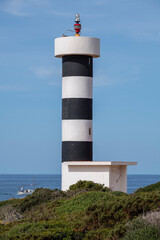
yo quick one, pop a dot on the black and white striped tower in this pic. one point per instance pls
(77, 55)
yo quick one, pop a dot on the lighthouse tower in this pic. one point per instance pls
(77, 55)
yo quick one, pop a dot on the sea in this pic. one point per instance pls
(11, 183)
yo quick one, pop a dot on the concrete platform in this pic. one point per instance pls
(112, 174)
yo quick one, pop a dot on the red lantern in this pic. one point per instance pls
(77, 25)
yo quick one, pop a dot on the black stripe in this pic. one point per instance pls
(76, 151)
(77, 108)
(77, 65)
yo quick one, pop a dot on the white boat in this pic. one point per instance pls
(24, 191)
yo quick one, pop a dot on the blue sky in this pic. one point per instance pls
(126, 82)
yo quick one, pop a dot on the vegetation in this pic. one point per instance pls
(86, 211)
(141, 230)
(150, 188)
(89, 185)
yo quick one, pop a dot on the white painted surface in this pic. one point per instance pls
(77, 87)
(76, 130)
(111, 175)
(72, 174)
(102, 163)
(77, 46)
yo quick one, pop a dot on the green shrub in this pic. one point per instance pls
(89, 185)
(149, 188)
(9, 202)
(41, 231)
(40, 196)
(109, 212)
(87, 211)
(4, 228)
(119, 194)
(83, 201)
(98, 234)
(140, 230)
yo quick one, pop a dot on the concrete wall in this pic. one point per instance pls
(114, 177)
(118, 178)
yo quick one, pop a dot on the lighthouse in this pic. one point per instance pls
(77, 54)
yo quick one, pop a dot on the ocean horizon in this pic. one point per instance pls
(11, 183)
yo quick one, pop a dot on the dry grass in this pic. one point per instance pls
(153, 218)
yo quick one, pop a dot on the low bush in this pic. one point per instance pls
(149, 188)
(41, 231)
(89, 185)
(139, 229)
(86, 211)
(40, 196)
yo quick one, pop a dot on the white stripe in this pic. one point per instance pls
(77, 87)
(77, 130)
